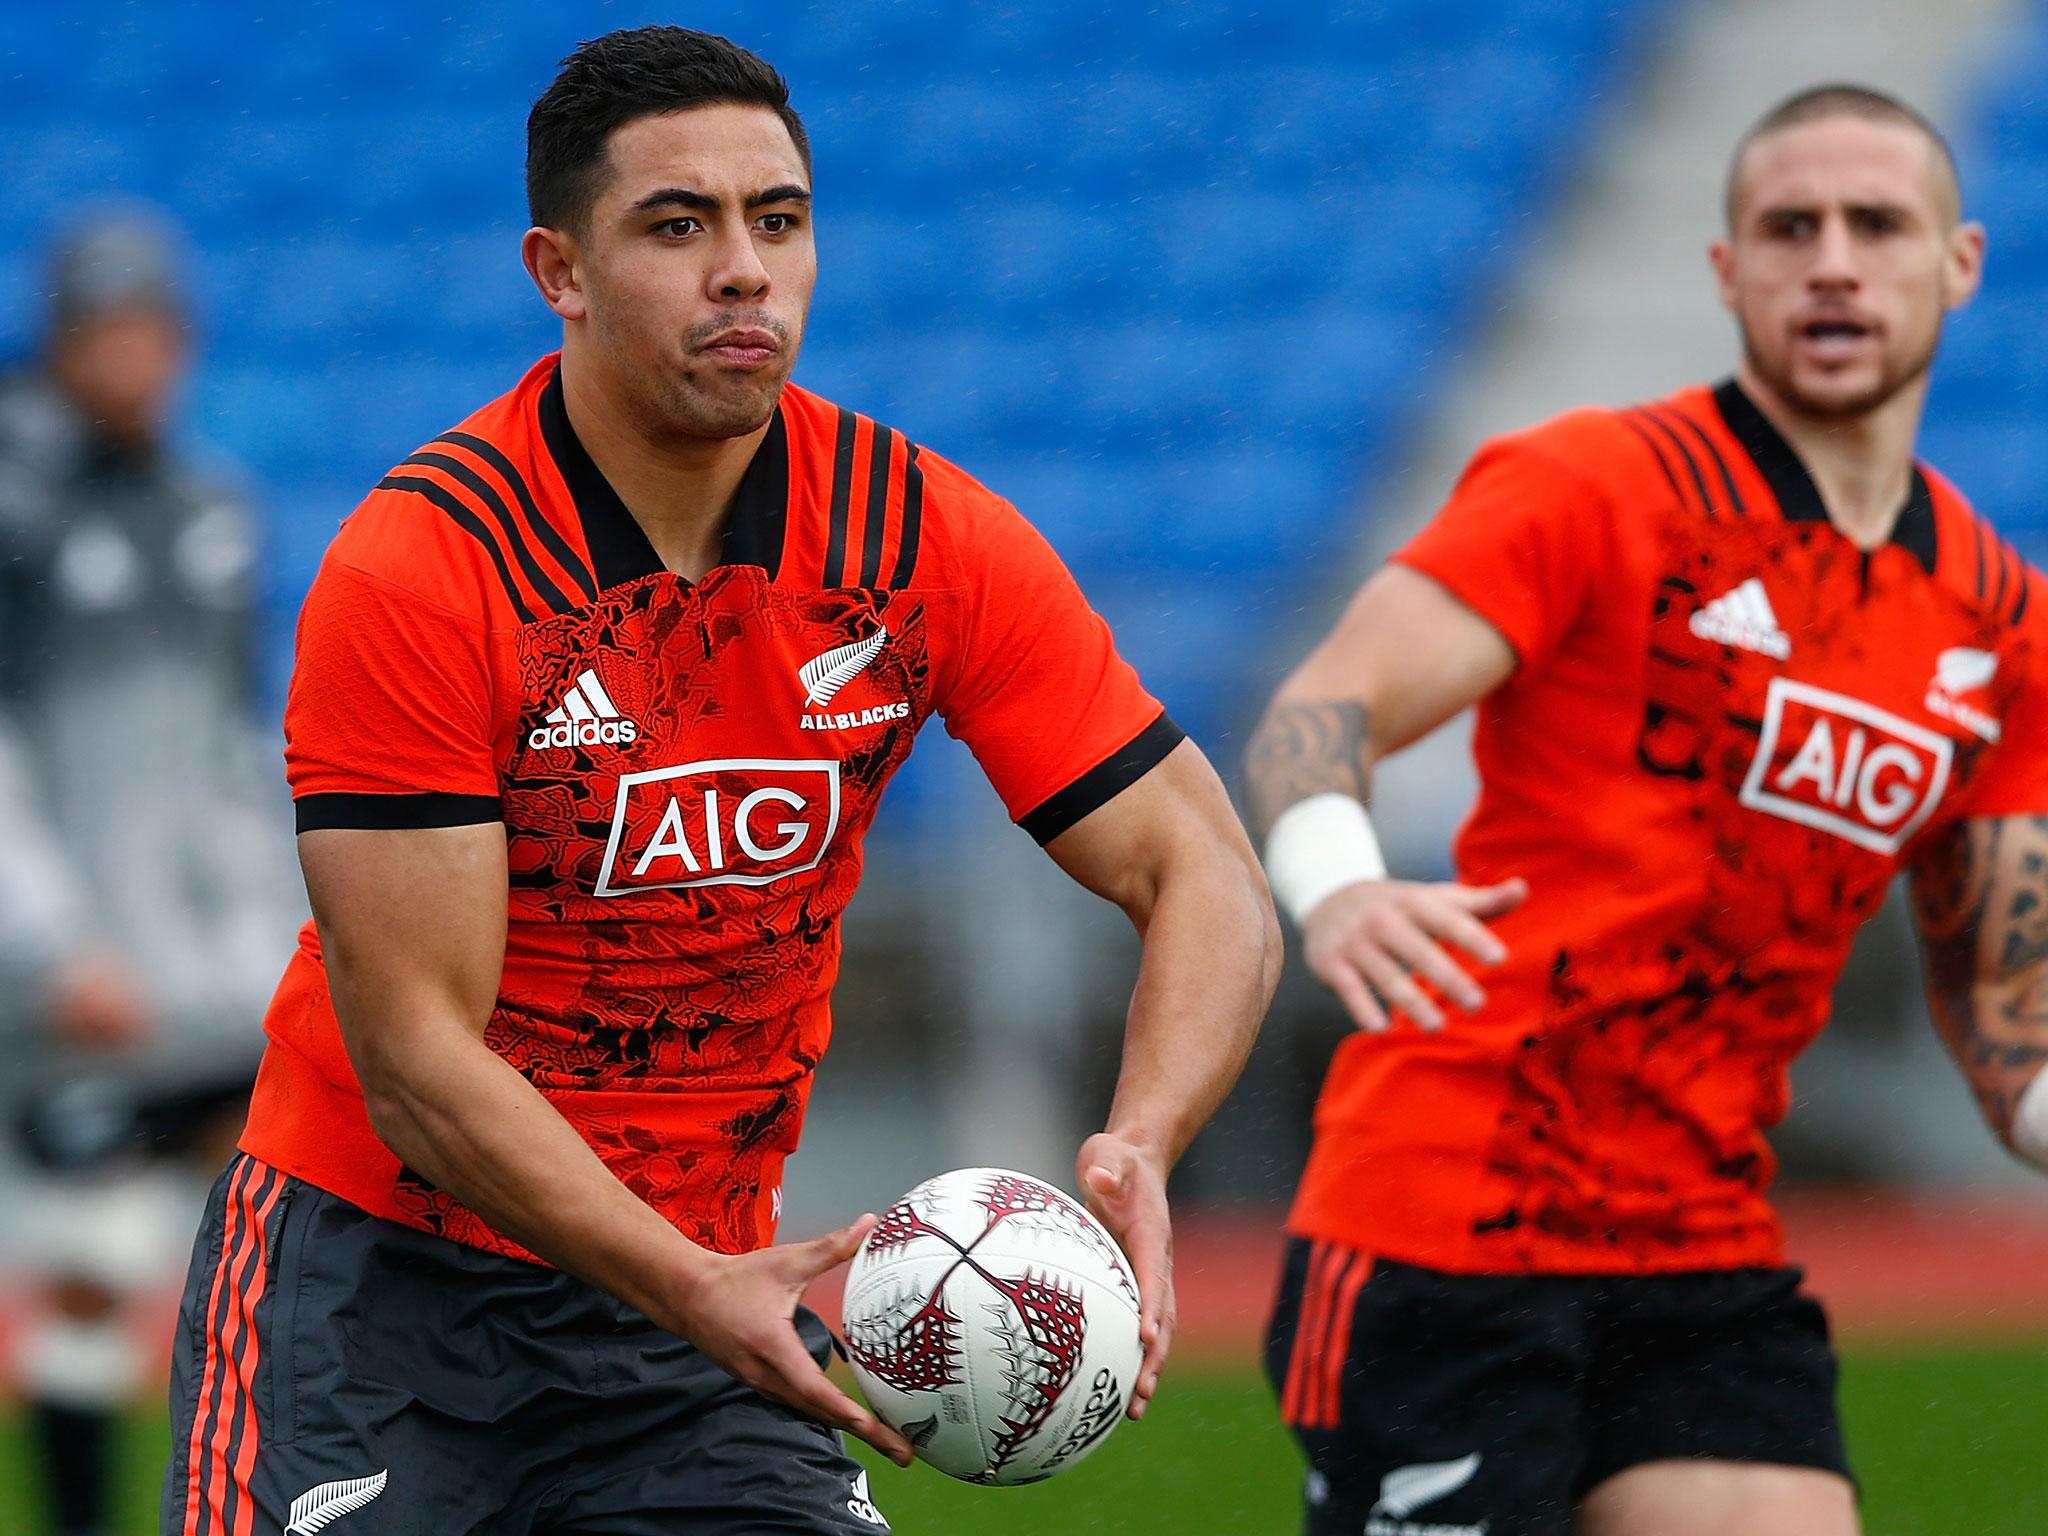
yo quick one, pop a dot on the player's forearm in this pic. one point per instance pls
(461, 1116)
(1998, 1032)
(1306, 745)
(1980, 901)
(1212, 956)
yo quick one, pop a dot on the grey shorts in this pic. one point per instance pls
(330, 1361)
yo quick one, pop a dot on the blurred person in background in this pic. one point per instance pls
(143, 898)
(1738, 661)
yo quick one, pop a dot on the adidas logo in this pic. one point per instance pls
(585, 717)
(1743, 618)
(862, 1505)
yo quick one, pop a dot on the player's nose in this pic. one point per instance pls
(1834, 254)
(738, 272)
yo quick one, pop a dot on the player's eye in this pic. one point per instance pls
(679, 227)
(1790, 226)
(776, 223)
(1877, 221)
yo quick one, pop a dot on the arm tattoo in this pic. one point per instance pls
(1980, 899)
(1303, 749)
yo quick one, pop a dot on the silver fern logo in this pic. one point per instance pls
(1407, 1489)
(318, 1507)
(823, 677)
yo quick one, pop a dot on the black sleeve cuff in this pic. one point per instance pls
(381, 813)
(1104, 782)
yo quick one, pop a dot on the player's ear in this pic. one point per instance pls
(1962, 267)
(1721, 254)
(550, 257)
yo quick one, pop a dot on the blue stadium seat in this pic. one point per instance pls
(1173, 278)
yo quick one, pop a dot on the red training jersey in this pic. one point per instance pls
(1729, 729)
(684, 771)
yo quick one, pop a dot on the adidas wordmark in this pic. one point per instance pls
(585, 717)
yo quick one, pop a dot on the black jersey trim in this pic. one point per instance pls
(842, 495)
(469, 523)
(395, 813)
(1657, 453)
(1720, 463)
(549, 536)
(536, 578)
(913, 519)
(2026, 589)
(1692, 465)
(620, 550)
(1792, 483)
(1104, 782)
(755, 529)
(875, 528)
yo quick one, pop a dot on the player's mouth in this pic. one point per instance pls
(745, 350)
(1834, 338)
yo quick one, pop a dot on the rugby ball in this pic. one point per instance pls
(993, 1322)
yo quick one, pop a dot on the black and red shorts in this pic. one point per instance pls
(1454, 1404)
(329, 1361)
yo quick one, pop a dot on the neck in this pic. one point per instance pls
(1861, 465)
(679, 489)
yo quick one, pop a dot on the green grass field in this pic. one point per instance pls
(1947, 1439)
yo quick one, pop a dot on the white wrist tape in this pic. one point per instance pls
(2030, 1122)
(1320, 845)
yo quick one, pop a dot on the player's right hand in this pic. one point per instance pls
(1370, 942)
(741, 1313)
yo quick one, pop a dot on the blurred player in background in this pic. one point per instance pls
(1738, 660)
(141, 891)
(594, 700)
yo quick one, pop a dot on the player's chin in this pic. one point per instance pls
(1840, 392)
(729, 406)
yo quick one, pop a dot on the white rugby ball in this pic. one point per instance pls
(993, 1322)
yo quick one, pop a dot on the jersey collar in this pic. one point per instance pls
(619, 547)
(1792, 484)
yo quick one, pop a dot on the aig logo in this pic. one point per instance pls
(1829, 761)
(729, 821)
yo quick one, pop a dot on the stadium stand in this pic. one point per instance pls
(1987, 422)
(1176, 279)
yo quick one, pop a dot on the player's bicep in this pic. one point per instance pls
(412, 930)
(1410, 652)
(1176, 814)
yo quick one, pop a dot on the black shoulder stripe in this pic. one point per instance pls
(2005, 554)
(1720, 464)
(2026, 590)
(913, 519)
(842, 492)
(1104, 782)
(536, 578)
(469, 523)
(392, 813)
(1657, 453)
(1692, 465)
(579, 571)
(875, 530)
(1977, 532)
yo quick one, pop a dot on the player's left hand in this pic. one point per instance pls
(1125, 1187)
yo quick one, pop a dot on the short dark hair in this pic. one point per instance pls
(623, 76)
(1840, 99)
